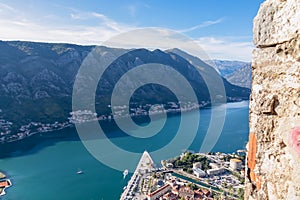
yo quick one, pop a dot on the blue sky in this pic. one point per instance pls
(222, 27)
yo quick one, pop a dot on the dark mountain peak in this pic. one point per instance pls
(158, 51)
(174, 50)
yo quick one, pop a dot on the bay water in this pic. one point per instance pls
(45, 167)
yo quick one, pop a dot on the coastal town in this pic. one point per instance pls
(7, 134)
(189, 176)
(4, 183)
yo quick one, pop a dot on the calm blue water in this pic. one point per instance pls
(48, 171)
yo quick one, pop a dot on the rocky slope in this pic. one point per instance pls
(242, 76)
(226, 67)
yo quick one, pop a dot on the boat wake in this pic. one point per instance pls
(125, 173)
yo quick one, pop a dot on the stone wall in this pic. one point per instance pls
(273, 148)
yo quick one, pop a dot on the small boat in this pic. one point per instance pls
(79, 172)
(125, 173)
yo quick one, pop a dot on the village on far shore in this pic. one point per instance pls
(192, 176)
(84, 116)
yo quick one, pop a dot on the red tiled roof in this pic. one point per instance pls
(160, 189)
(4, 184)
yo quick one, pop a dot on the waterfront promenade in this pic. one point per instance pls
(144, 166)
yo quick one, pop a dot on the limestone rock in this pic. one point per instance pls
(277, 21)
(275, 103)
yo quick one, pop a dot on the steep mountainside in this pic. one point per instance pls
(226, 67)
(241, 77)
(36, 82)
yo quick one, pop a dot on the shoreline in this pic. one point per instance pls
(36, 142)
(72, 125)
(145, 165)
(107, 178)
(171, 111)
(149, 182)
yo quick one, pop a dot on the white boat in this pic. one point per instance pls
(79, 172)
(125, 173)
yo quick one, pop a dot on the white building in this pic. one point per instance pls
(199, 172)
(214, 165)
(197, 165)
(216, 171)
(235, 164)
(169, 165)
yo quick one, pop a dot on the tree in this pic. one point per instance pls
(241, 193)
(190, 171)
(230, 188)
(192, 186)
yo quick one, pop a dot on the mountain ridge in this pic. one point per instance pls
(36, 81)
(242, 76)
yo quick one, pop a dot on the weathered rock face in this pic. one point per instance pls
(274, 149)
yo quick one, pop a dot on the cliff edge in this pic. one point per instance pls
(274, 142)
